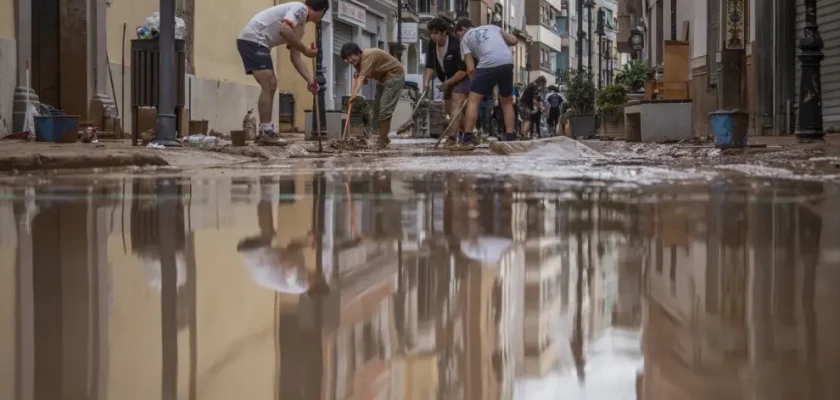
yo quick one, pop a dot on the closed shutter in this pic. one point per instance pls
(828, 19)
(342, 34)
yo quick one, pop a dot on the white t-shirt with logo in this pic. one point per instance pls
(487, 45)
(264, 28)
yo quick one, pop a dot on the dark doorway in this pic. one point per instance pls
(45, 51)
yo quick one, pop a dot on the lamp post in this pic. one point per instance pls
(166, 104)
(600, 32)
(810, 124)
(589, 5)
(580, 36)
(399, 50)
(322, 87)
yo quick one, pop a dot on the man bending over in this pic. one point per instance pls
(276, 26)
(491, 46)
(389, 75)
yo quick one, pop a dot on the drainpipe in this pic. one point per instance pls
(166, 103)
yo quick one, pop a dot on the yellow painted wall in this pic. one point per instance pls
(236, 326)
(133, 13)
(7, 18)
(217, 25)
(8, 324)
(295, 84)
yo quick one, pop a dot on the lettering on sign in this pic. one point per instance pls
(409, 32)
(352, 13)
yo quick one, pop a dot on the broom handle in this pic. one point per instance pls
(317, 113)
(454, 118)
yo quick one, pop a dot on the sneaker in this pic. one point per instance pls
(450, 141)
(270, 138)
(468, 138)
(510, 137)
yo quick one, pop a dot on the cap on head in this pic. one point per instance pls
(541, 81)
(318, 5)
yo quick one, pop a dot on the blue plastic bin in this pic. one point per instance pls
(729, 128)
(57, 128)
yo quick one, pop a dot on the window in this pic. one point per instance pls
(609, 22)
(561, 24)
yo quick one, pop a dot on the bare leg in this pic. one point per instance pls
(507, 111)
(384, 127)
(472, 111)
(457, 101)
(268, 85)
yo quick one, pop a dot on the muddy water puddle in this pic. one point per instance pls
(435, 285)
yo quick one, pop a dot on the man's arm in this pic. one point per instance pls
(468, 59)
(510, 40)
(291, 38)
(458, 77)
(294, 55)
(429, 76)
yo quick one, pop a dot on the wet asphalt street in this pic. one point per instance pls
(532, 277)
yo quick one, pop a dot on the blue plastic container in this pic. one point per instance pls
(44, 128)
(57, 128)
(730, 128)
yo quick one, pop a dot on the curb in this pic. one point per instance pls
(42, 162)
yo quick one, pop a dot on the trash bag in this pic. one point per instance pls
(153, 25)
(29, 120)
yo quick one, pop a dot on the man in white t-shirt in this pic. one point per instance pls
(490, 45)
(279, 25)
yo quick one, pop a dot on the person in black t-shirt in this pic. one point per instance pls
(555, 104)
(529, 104)
(443, 60)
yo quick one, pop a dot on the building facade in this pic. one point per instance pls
(763, 77)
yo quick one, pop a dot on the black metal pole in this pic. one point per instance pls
(581, 34)
(810, 124)
(399, 51)
(322, 85)
(600, 62)
(165, 134)
(589, 5)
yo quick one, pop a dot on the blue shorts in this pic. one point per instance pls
(486, 78)
(255, 57)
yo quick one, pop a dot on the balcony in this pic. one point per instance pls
(550, 38)
(411, 9)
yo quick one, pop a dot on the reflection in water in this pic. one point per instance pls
(399, 287)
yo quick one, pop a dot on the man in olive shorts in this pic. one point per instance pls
(443, 59)
(389, 75)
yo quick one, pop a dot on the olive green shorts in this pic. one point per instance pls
(387, 95)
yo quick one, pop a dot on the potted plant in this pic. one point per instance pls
(610, 102)
(633, 75)
(580, 98)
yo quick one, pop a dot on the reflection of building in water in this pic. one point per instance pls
(730, 307)
(547, 321)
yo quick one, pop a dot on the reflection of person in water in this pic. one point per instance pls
(280, 268)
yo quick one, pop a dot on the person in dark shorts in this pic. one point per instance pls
(490, 45)
(444, 61)
(555, 102)
(389, 75)
(529, 105)
(279, 25)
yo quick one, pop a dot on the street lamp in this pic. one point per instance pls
(589, 5)
(399, 51)
(600, 32)
(581, 34)
(810, 124)
(322, 87)
(166, 125)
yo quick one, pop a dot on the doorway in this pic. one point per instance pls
(45, 72)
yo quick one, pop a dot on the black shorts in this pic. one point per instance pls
(486, 78)
(255, 57)
(553, 115)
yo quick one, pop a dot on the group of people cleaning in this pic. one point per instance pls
(474, 64)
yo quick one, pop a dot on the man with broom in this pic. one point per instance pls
(491, 46)
(389, 75)
(279, 25)
(443, 59)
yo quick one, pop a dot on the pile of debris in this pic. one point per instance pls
(352, 143)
